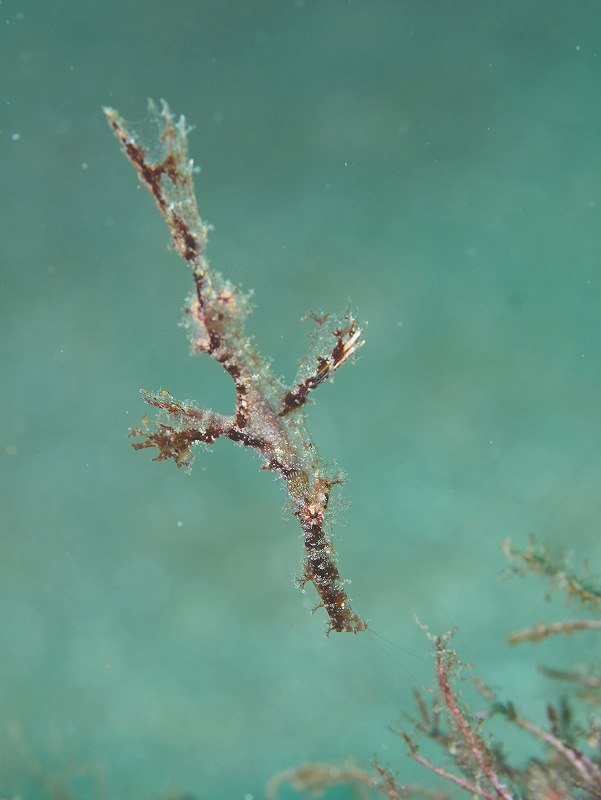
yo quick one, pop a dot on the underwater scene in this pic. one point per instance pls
(358, 285)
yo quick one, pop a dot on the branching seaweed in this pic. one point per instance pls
(268, 416)
(571, 766)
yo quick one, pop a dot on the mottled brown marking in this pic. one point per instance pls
(184, 240)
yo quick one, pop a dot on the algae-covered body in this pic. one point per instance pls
(269, 416)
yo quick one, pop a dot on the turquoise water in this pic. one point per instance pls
(438, 165)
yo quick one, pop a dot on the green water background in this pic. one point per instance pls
(438, 164)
